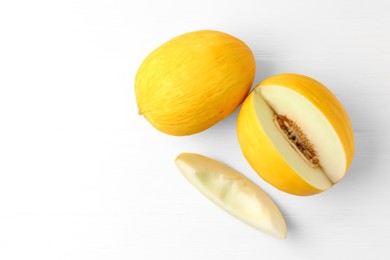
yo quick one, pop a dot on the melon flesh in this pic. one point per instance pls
(284, 101)
(233, 192)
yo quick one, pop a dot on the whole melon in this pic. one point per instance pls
(193, 81)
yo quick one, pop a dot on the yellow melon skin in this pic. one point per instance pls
(194, 81)
(262, 154)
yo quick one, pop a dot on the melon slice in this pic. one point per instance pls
(233, 192)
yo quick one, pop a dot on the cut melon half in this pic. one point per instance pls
(295, 134)
(233, 192)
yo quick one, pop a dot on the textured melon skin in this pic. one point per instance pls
(194, 81)
(263, 156)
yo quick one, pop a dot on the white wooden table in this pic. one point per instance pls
(82, 176)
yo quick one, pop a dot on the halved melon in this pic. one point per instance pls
(295, 134)
(233, 192)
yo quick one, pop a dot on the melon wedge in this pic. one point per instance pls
(233, 192)
(296, 134)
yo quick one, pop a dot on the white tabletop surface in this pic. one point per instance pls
(83, 176)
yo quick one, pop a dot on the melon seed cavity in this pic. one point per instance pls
(297, 139)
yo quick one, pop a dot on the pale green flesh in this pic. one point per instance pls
(233, 192)
(328, 147)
